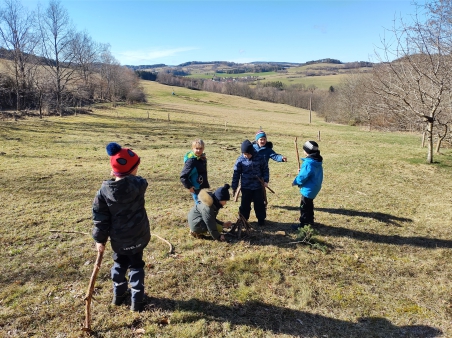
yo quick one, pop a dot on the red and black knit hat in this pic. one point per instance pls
(123, 160)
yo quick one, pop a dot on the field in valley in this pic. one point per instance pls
(320, 75)
(383, 217)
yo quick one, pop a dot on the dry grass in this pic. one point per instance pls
(383, 214)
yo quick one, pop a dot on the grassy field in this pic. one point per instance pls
(383, 215)
(320, 75)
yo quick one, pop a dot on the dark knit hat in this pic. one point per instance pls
(310, 147)
(123, 160)
(247, 147)
(260, 134)
(222, 194)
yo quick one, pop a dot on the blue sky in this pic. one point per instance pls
(172, 32)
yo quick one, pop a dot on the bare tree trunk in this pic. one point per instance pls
(430, 141)
(441, 138)
(40, 104)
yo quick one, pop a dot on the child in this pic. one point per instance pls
(202, 217)
(309, 180)
(119, 213)
(248, 169)
(265, 148)
(194, 173)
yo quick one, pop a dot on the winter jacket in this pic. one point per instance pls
(267, 152)
(194, 173)
(247, 172)
(202, 217)
(119, 213)
(310, 177)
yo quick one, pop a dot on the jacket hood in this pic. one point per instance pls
(205, 197)
(267, 145)
(315, 156)
(191, 154)
(312, 162)
(209, 199)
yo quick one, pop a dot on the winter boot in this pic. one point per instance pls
(118, 300)
(137, 306)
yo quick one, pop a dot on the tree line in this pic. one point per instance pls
(47, 65)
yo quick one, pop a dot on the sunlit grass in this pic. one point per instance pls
(383, 214)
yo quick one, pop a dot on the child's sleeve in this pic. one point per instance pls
(265, 171)
(101, 219)
(185, 174)
(302, 176)
(275, 157)
(236, 175)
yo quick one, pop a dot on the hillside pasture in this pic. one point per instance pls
(320, 75)
(383, 216)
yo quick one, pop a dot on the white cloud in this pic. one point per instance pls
(149, 56)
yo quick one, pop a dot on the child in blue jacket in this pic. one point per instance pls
(309, 180)
(265, 148)
(248, 168)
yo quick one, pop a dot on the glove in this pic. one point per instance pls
(234, 192)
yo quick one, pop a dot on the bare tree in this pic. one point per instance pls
(414, 76)
(17, 36)
(87, 54)
(109, 73)
(57, 49)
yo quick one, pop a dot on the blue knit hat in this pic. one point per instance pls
(222, 193)
(260, 134)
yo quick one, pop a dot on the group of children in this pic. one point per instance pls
(119, 208)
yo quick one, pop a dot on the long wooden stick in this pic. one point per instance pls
(89, 292)
(298, 156)
(237, 193)
(171, 249)
(263, 184)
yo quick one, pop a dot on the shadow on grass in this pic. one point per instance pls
(280, 320)
(336, 231)
(379, 216)
(424, 242)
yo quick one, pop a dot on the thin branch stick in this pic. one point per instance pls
(89, 292)
(171, 249)
(70, 232)
(298, 156)
(263, 184)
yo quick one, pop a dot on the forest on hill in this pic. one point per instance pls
(50, 67)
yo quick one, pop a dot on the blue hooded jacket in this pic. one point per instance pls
(310, 177)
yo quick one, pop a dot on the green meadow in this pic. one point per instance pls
(382, 217)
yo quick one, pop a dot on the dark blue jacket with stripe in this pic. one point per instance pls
(247, 172)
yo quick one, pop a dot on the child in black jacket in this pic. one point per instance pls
(119, 214)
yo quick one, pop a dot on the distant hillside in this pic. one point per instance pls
(226, 67)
